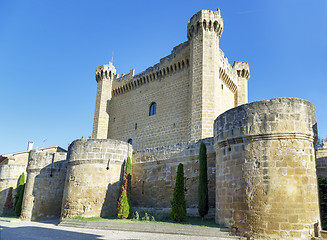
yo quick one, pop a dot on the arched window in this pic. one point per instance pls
(130, 141)
(153, 109)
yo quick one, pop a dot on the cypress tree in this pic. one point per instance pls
(128, 168)
(203, 202)
(18, 208)
(178, 204)
(21, 182)
(124, 206)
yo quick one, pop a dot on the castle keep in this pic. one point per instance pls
(261, 157)
(190, 88)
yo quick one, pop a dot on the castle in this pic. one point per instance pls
(261, 157)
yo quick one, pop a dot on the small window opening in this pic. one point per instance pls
(153, 109)
(135, 126)
(130, 141)
(222, 86)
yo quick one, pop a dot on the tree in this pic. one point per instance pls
(203, 202)
(178, 204)
(124, 206)
(19, 189)
(18, 208)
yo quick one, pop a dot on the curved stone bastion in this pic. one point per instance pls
(46, 172)
(265, 169)
(94, 177)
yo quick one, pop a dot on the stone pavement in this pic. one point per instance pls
(104, 230)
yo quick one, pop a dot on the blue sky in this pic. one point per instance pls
(49, 51)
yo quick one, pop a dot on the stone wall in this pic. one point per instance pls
(9, 177)
(265, 169)
(321, 159)
(94, 177)
(154, 176)
(191, 87)
(129, 110)
(44, 185)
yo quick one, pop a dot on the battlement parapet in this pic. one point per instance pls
(242, 69)
(176, 62)
(105, 71)
(205, 21)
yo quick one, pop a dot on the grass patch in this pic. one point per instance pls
(9, 218)
(190, 221)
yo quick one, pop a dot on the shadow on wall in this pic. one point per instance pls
(3, 197)
(154, 175)
(110, 204)
(48, 191)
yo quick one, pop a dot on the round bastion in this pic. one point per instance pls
(266, 183)
(94, 177)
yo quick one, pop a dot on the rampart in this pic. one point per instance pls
(94, 177)
(265, 169)
(154, 176)
(44, 185)
(321, 159)
(9, 177)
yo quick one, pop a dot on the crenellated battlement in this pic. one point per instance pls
(242, 69)
(174, 63)
(205, 21)
(105, 71)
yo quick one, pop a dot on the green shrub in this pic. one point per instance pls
(128, 168)
(322, 183)
(203, 202)
(19, 195)
(136, 216)
(124, 208)
(178, 204)
(18, 208)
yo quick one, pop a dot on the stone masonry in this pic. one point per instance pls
(154, 173)
(44, 185)
(261, 158)
(94, 177)
(266, 184)
(191, 87)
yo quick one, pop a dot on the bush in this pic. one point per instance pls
(178, 204)
(203, 202)
(8, 209)
(128, 168)
(19, 188)
(19, 195)
(124, 206)
(18, 208)
(322, 184)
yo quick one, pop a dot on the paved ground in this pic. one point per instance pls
(37, 231)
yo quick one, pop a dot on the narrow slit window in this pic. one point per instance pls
(153, 109)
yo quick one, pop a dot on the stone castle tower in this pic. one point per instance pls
(262, 179)
(190, 88)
